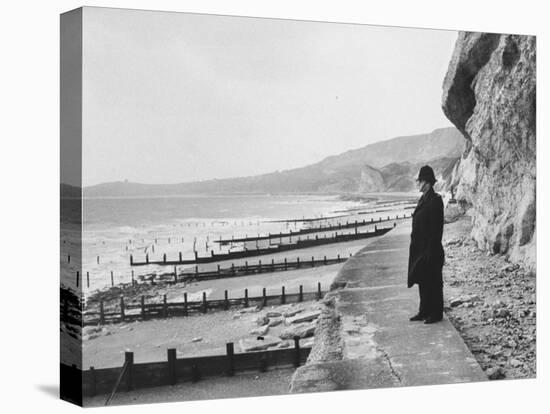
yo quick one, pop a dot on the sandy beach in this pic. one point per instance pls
(208, 334)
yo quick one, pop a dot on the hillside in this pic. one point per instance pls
(356, 170)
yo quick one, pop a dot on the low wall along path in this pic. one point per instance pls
(367, 341)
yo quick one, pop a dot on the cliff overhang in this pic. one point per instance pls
(489, 93)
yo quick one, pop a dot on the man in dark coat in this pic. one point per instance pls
(426, 256)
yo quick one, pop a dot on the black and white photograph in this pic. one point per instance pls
(244, 215)
(286, 206)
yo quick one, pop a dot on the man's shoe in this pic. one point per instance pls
(432, 319)
(417, 317)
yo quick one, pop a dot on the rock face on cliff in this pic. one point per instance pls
(489, 94)
(371, 180)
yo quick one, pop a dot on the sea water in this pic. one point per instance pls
(115, 228)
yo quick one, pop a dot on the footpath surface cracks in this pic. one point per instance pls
(370, 306)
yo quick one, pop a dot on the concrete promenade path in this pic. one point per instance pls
(367, 340)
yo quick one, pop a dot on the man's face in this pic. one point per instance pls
(421, 185)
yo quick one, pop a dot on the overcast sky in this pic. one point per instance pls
(172, 97)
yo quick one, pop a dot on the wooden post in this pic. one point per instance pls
(230, 363)
(259, 266)
(131, 260)
(296, 351)
(164, 306)
(246, 266)
(263, 362)
(65, 309)
(246, 298)
(318, 290)
(286, 265)
(185, 304)
(97, 259)
(195, 374)
(325, 260)
(219, 270)
(204, 304)
(175, 274)
(338, 257)
(133, 281)
(233, 269)
(121, 308)
(375, 229)
(93, 381)
(88, 279)
(164, 257)
(171, 353)
(226, 300)
(264, 297)
(68, 258)
(272, 265)
(283, 297)
(112, 279)
(180, 256)
(101, 313)
(77, 278)
(312, 261)
(196, 270)
(129, 359)
(147, 258)
(301, 294)
(142, 307)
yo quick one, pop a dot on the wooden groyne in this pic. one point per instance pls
(130, 311)
(290, 234)
(299, 244)
(173, 370)
(252, 269)
(220, 272)
(307, 220)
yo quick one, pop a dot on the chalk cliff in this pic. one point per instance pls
(489, 93)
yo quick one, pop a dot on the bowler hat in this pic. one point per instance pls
(426, 174)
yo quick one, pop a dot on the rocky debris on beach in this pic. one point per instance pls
(262, 330)
(275, 321)
(258, 344)
(93, 332)
(291, 312)
(303, 317)
(284, 344)
(465, 300)
(250, 309)
(285, 322)
(262, 320)
(492, 303)
(302, 330)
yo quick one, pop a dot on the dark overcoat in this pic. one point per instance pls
(426, 256)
